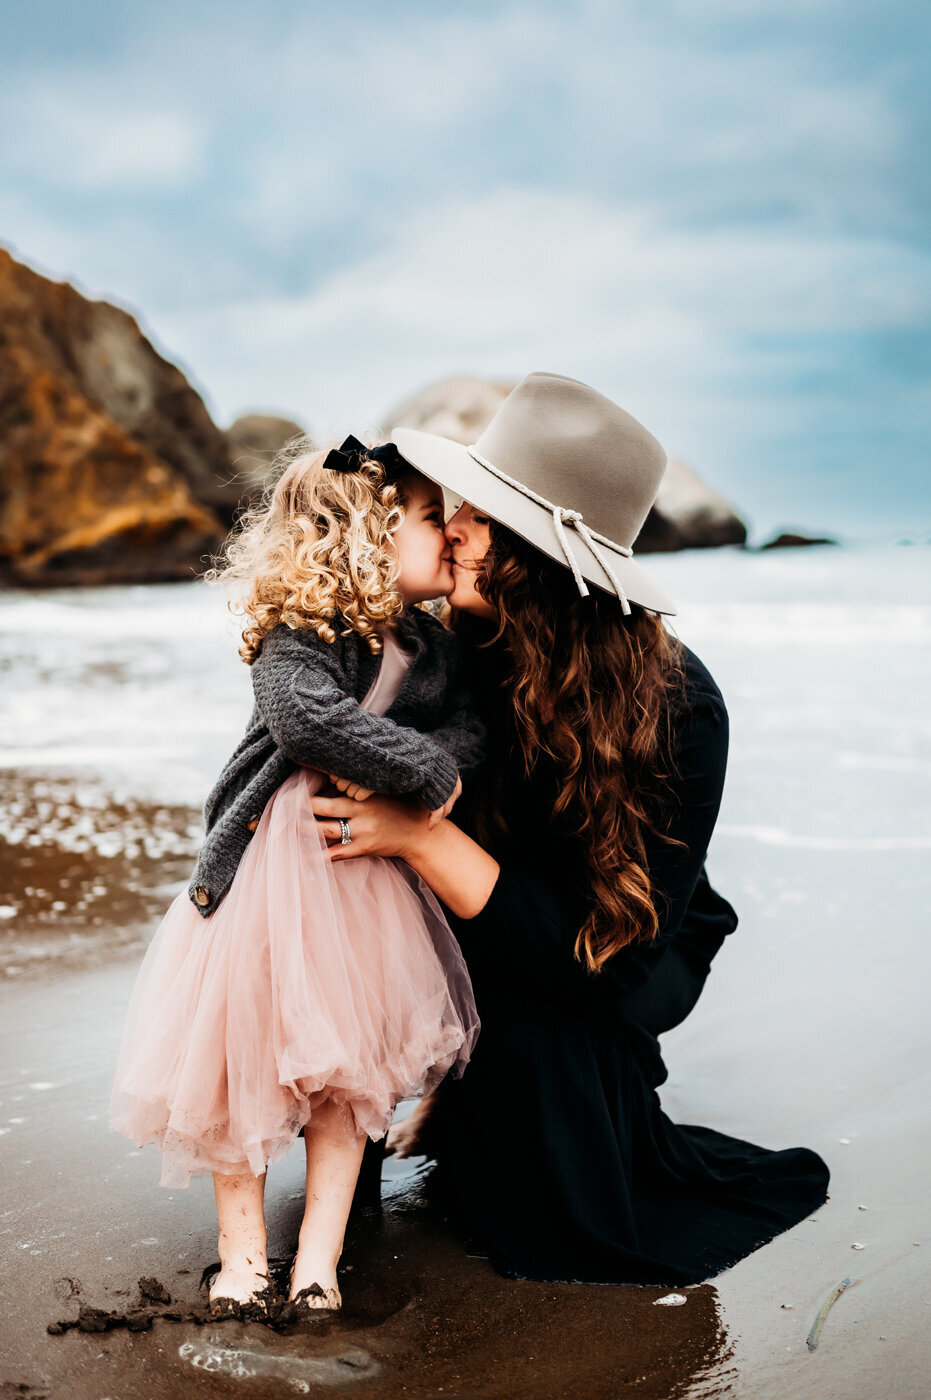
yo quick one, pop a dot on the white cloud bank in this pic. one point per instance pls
(704, 210)
(523, 279)
(99, 142)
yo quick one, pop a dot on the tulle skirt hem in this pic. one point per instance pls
(310, 983)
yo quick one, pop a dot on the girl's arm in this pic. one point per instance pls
(460, 733)
(314, 722)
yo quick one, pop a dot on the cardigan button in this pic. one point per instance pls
(253, 822)
(201, 895)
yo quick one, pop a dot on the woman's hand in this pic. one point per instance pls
(353, 790)
(455, 867)
(362, 794)
(406, 1139)
(439, 813)
(381, 826)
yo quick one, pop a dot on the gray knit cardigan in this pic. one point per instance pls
(307, 711)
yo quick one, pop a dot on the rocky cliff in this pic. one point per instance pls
(111, 469)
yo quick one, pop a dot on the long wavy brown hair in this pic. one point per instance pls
(592, 690)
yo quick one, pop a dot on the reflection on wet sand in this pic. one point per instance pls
(422, 1319)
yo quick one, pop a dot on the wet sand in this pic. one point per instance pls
(813, 1029)
(84, 875)
(84, 1221)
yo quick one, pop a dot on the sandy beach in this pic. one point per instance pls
(118, 708)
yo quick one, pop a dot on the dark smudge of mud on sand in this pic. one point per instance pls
(421, 1318)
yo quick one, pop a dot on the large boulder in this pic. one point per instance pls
(253, 441)
(111, 469)
(457, 408)
(687, 514)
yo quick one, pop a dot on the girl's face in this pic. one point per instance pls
(469, 535)
(423, 552)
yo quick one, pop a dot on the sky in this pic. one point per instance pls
(714, 211)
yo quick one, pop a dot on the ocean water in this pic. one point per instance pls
(822, 654)
(118, 707)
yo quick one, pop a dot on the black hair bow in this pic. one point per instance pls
(350, 455)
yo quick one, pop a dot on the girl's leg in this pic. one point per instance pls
(242, 1243)
(334, 1155)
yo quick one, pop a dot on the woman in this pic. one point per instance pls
(579, 892)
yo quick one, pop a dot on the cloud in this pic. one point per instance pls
(734, 348)
(712, 212)
(71, 136)
(500, 282)
(310, 130)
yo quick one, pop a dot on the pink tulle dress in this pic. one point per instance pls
(309, 982)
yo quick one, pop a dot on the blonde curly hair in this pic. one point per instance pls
(315, 551)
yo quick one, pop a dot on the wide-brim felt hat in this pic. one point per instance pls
(567, 470)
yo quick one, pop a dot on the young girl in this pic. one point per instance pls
(282, 991)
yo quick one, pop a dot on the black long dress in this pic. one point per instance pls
(553, 1145)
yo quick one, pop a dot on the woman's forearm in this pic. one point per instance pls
(456, 869)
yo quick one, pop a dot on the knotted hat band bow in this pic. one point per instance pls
(561, 518)
(350, 455)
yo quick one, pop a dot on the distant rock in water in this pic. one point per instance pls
(111, 469)
(253, 441)
(457, 408)
(687, 514)
(790, 541)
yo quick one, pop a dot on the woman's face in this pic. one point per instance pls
(469, 535)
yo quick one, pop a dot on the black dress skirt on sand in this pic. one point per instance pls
(553, 1149)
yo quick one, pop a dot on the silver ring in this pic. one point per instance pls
(345, 837)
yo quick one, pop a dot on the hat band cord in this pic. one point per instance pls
(561, 518)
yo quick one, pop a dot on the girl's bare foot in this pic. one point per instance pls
(313, 1280)
(240, 1281)
(316, 1297)
(405, 1139)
